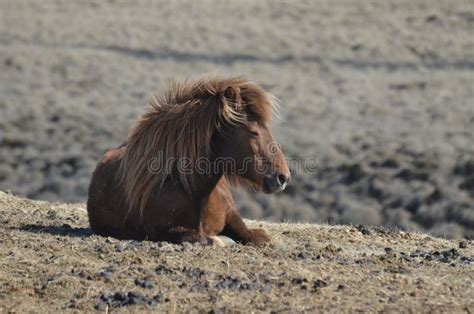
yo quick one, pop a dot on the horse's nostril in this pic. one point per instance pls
(281, 179)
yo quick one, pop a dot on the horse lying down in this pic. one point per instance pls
(170, 180)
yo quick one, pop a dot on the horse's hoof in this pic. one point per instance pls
(216, 241)
(227, 241)
(221, 241)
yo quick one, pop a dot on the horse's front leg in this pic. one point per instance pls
(236, 229)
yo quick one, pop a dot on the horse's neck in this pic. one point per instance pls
(208, 181)
(208, 184)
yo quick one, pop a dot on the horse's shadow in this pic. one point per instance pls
(64, 230)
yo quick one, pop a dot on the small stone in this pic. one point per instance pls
(102, 248)
(152, 303)
(158, 298)
(105, 298)
(452, 252)
(101, 306)
(463, 244)
(136, 301)
(135, 298)
(105, 274)
(363, 230)
(444, 259)
(388, 250)
(303, 255)
(119, 247)
(299, 280)
(52, 214)
(145, 283)
(120, 296)
(163, 270)
(320, 284)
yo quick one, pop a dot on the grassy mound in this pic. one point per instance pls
(50, 260)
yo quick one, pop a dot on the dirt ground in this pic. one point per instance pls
(50, 261)
(380, 93)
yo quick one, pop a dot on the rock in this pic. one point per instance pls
(52, 214)
(101, 306)
(163, 270)
(135, 298)
(145, 283)
(158, 298)
(303, 255)
(121, 299)
(120, 247)
(105, 274)
(364, 230)
(102, 248)
(444, 259)
(120, 296)
(318, 283)
(299, 280)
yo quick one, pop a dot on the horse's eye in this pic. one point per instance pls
(255, 133)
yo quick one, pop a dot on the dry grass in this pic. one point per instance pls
(50, 261)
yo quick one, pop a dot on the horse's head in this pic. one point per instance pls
(249, 143)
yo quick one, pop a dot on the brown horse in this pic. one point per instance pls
(171, 179)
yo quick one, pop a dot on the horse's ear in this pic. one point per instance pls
(232, 94)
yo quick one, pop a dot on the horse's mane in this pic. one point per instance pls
(179, 123)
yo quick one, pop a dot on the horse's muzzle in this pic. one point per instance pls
(275, 183)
